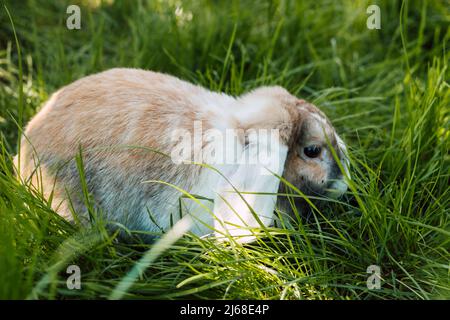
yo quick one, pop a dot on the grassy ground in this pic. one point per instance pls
(385, 90)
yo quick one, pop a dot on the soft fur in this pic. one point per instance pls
(120, 117)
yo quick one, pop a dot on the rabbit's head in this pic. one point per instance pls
(317, 159)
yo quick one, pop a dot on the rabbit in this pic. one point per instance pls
(146, 143)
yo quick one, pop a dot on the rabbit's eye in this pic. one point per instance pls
(312, 151)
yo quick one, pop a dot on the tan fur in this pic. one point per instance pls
(118, 116)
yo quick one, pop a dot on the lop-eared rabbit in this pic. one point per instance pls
(156, 148)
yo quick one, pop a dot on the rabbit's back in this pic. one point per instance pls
(120, 121)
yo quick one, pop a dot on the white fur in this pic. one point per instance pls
(130, 107)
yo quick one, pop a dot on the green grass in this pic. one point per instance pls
(386, 91)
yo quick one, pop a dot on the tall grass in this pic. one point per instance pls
(386, 92)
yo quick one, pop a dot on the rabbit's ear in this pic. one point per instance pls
(237, 206)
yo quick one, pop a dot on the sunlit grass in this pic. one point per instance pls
(386, 92)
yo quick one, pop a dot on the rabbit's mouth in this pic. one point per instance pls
(336, 189)
(315, 193)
